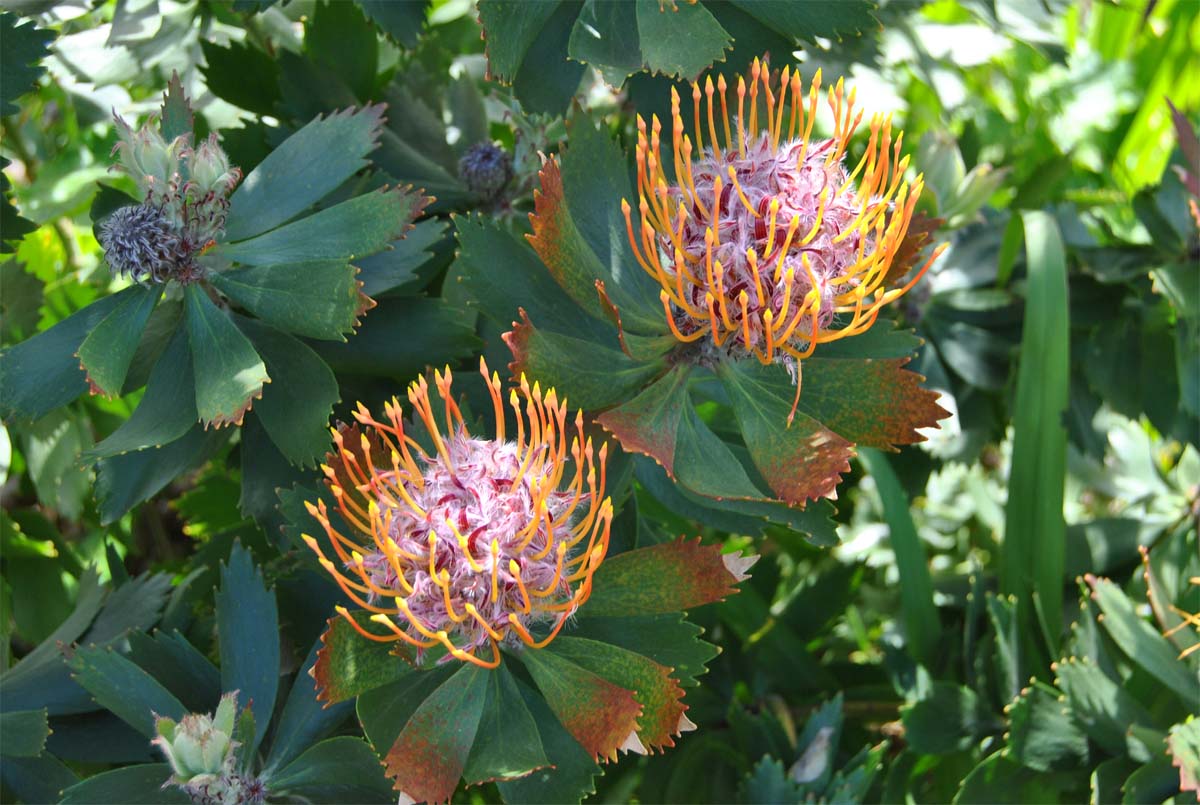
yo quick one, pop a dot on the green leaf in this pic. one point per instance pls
(999, 779)
(739, 516)
(338, 37)
(356, 228)
(385, 345)
(229, 373)
(52, 446)
(511, 28)
(126, 480)
(802, 460)
(248, 636)
(667, 639)
(949, 719)
(507, 745)
(349, 664)
(867, 399)
(504, 274)
(89, 598)
(921, 621)
(291, 180)
(1002, 612)
(1103, 708)
(383, 711)
(407, 265)
(37, 779)
(682, 41)
(295, 408)
(1035, 533)
(704, 463)
(1142, 642)
(1042, 733)
(661, 698)
(25, 733)
(264, 472)
(601, 716)
(241, 74)
(605, 35)
(135, 785)
(23, 296)
(337, 770)
(467, 112)
(134, 606)
(579, 230)
(166, 411)
(176, 114)
(431, 751)
(304, 718)
(669, 577)
(572, 772)
(828, 19)
(318, 299)
(768, 782)
(1156, 781)
(42, 373)
(620, 39)
(401, 22)
(183, 670)
(649, 422)
(25, 45)
(588, 375)
(120, 686)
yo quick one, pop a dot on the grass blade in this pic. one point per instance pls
(918, 611)
(1034, 530)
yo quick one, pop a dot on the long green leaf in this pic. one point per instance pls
(1035, 533)
(916, 588)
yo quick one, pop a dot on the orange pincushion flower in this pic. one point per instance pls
(765, 242)
(473, 542)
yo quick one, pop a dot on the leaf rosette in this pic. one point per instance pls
(492, 638)
(232, 298)
(751, 384)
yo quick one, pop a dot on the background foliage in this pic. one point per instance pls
(995, 614)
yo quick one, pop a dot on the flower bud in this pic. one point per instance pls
(210, 171)
(147, 157)
(199, 745)
(485, 168)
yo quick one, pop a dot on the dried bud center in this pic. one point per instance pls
(141, 242)
(486, 169)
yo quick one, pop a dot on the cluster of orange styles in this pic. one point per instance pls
(456, 542)
(764, 242)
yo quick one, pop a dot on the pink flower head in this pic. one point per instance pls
(462, 542)
(765, 241)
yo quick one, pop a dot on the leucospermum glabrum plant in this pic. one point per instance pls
(466, 553)
(233, 286)
(761, 256)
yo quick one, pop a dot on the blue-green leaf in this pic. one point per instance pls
(248, 636)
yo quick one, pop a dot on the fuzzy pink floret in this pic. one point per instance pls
(767, 174)
(482, 501)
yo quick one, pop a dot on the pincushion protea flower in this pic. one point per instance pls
(475, 542)
(765, 243)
